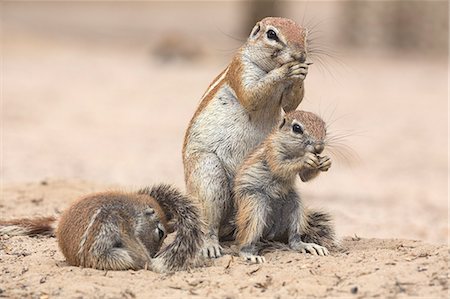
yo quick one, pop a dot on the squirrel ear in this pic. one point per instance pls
(255, 30)
(171, 226)
(282, 123)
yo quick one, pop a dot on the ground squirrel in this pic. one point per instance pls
(238, 110)
(119, 230)
(267, 205)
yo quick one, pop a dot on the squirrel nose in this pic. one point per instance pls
(319, 148)
(300, 56)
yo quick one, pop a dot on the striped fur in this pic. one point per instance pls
(85, 235)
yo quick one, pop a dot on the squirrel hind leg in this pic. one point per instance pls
(117, 259)
(121, 257)
(114, 249)
(211, 187)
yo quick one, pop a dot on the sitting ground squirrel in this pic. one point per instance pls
(120, 231)
(238, 110)
(268, 206)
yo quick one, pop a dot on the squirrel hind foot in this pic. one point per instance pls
(312, 248)
(254, 259)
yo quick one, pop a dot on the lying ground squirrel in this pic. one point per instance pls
(239, 109)
(119, 231)
(268, 206)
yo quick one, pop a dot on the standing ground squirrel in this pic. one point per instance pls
(119, 230)
(239, 109)
(268, 206)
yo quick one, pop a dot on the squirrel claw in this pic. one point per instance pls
(255, 259)
(298, 71)
(313, 249)
(324, 163)
(311, 161)
(212, 250)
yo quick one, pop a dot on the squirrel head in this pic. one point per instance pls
(152, 229)
(151, 225)
(300, 132)
(276, 41)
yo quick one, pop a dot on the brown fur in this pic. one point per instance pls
(234, 79)
(290, 30)
(315, 126)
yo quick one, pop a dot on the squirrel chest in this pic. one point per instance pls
(226, 128)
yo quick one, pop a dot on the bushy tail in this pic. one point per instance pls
(28, 226)
(319, 229)
(189, 236)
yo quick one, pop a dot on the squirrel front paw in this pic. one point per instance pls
(293, 70)
(211, 248)
(324, 163)
(310, 161)
(298, 70)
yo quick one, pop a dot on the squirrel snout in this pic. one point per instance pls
(319, 148)
(313, 147)
(299, 56)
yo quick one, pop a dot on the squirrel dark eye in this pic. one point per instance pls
(160, 230)
(160, 233)
(118, 244)
(272, 35)
(297, 129)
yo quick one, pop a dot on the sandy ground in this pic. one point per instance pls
(88, 114)
(394, 268)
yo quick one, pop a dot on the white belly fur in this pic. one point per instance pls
(225, 128)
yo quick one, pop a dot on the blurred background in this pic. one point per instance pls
(103, 92)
